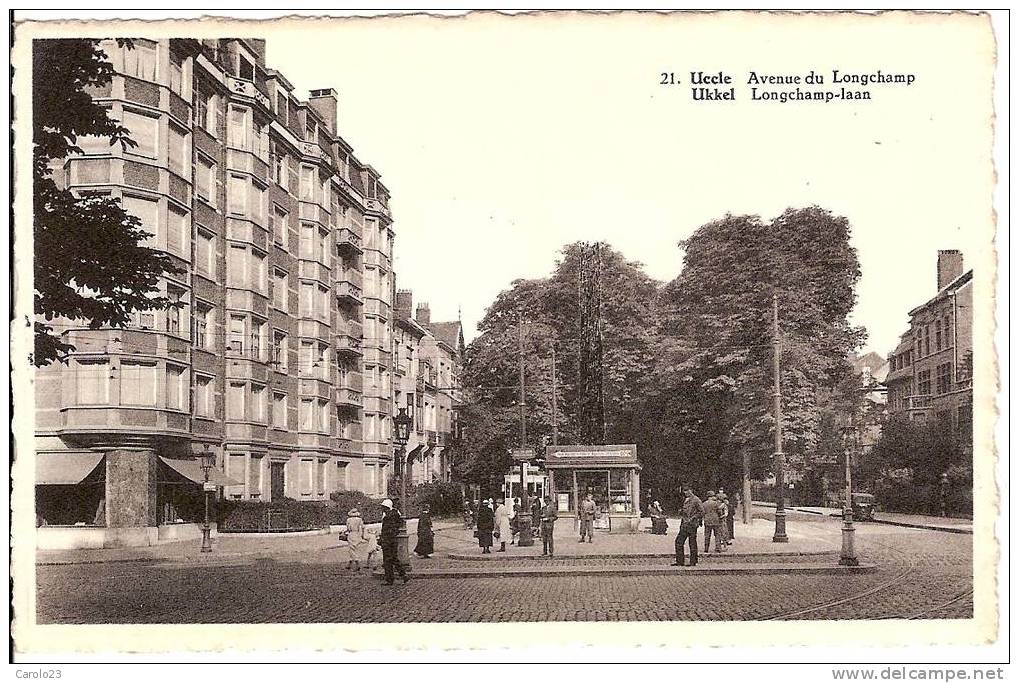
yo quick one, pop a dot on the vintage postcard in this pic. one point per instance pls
(414, 331)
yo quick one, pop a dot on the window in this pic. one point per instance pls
(176, 387)
(180, 81)
(179, 157)
(305, 475)
(307, 414)
(282, 106)
(176, 314)
(258, 402)
(235, 341)
(311, 130)
(255, 483)
(923, 381)
(236, 195)
(323, 303)
(280, 350)
(237, 128)
(308, 184)
(279, 226)
(147, 212)
(943, 378)
(200, 113)
(308, 299)
(203, 396)
(280, 291)
(321, 477)
(92, 381)
(256, 201)
(341, 476)
(245, 68)
(323, 247)
(140, 60)
(236, 469)
(279, 410)
(235, 401)
(137, 383)
(178, 232)
(144, 131)
(323, 416)
(236, 267)
(205, 181)
(307, 240)
(205, 254)
(259, 272)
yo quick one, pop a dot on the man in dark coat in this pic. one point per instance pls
(549, 515)
(690, 518)
(486, 525)
(391, 522)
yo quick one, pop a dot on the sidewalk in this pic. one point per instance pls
(751, 540)
(223, 546)
(952, 525)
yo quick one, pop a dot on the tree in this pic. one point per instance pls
(712, 385)
(550, 310)
(90, 264)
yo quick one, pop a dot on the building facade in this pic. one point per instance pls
(930, 372)
(279, 358)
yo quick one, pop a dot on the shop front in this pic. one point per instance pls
(610, 474)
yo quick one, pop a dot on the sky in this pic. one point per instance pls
(504, 138)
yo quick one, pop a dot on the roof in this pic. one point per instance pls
(951, 288)
(449, 333)
(411, 325)
(609, 455)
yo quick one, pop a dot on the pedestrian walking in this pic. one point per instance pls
(391, 522)
(503, 530)
(723, 515)
(536, 515)
(357, 543)
(426, 538)
(486, 527)
(691, 515)
(712, 522)
(588, 511)
(659, 525)
(549, 515)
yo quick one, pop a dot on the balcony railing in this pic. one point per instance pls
(347, 238)
(349, 291)
(376, 206)
(919, 402)
(349, 344)
(346, 396)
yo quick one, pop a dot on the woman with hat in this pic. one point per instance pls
(356, 541)
(486, 525)
(426, 538)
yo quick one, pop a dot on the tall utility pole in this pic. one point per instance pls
(780, 535)
(525, 539)
(555, 404)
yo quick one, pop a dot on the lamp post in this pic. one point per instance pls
(848, 557)
(401, 427)
(208, 462)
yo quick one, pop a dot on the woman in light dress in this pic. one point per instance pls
(502, 525)
(361, 543)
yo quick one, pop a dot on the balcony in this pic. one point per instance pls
(375, 206)
(347, 239)
(247, 89)
(348, 344)
(350, 275)
(349, 292)
(377, 307)
(346, 396)
(920, 402)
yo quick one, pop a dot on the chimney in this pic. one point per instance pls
(424, 315)
(949, 266)
(404, 303)
(323, 102)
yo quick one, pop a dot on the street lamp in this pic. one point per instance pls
(848, 556)
(401, 426)
(208, 462)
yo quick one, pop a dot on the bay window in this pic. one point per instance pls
(92, 381)
(144, 130)
(204, 401)
(141, 59)
(176, 387)
(138, 383)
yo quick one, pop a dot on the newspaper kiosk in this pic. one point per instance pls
(611, 474)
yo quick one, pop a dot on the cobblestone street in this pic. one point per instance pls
(922, 574)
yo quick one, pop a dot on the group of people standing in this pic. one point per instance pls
(362, 544)
(495, 521)
(717, 515)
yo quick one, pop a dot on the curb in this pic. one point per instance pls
(907, 525)
(619, 556)
(615, 571)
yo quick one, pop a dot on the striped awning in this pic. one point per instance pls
(65, 468)
(192, 469)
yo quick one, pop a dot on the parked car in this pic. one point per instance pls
(864, 506)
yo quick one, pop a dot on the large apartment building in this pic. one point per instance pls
(280, 359)
(930, 372)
